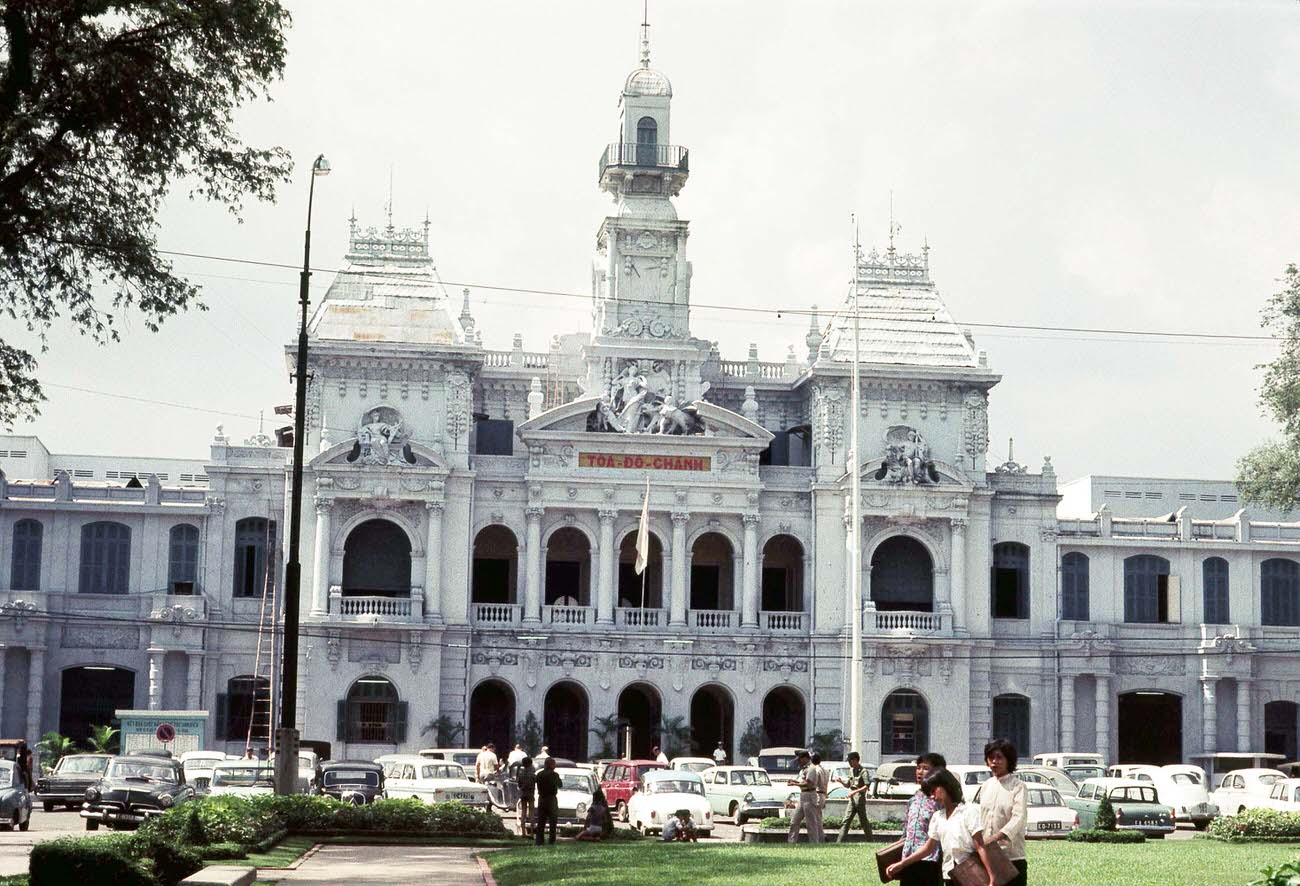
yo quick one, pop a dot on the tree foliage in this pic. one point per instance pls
(1105, 816)
(445, 730)
(606, 732)
(103, 739)
(103, 107)
(1269, 474)
(754, 738)
(528, 732)
(53, 747)
(675, 735)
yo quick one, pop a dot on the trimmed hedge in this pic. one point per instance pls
(88, 861)
(1096, 835)
(1256, 823)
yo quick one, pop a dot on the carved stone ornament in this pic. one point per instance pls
(647, 663)
(907, 459)
(1151, 665)
(176, 616)
(712, 665)
(100, 637)
(381, 439)
(415, 652)
(18, 610)
(975, 426)
(640, 401)
(334, 650)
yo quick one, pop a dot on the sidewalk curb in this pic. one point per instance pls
(485, 870)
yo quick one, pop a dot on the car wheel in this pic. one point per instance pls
(47, 806)
(733, 810)
(92, 825)
(620, 810)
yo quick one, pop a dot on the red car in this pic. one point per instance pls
(620, 781)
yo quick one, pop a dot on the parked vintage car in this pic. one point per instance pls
(242, 778)
(15, 801)
(198, 766)
(433, 781)
(1284, 796)
(834, 790)
(971, 777)
(1078, 766)
(308, 760)
(1136, 805)
(1179, 786)
(895, 781)
(1244, 789)
(66, 784)
(778, 763)
(661, 793)
(692, 764)
(621, 780)
(576, 787)
(743, 792)
(466, 757)
(1056, 779)
(1049, 816)
(359, 782)
(135, 787)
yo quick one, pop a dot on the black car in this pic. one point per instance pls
(353, 781)
(66, 785)
(134, 788)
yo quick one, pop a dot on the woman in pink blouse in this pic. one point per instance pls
(916, 828)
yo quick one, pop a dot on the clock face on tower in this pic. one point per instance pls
(643, 277)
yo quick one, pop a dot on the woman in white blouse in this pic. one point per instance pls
(1004, 806)
(955, 827)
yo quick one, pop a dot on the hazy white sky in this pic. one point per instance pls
(1095, 164)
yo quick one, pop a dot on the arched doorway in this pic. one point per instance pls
(902, 576)
(712, 719)
(784, 720)
(712, 573)
(568, 568)
(640, 708)
(1280, 729)
(630, 584)
(492, 715)
(782, 574)
(904, 723)
(496, 566)
(90, 696)
(377, 561)
(1150, 727)
(564, 721)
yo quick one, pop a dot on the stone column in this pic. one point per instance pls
(608, 555)
(35, 694)
(4, 654)
(320, 579)
(1210, 713)
(749, 563)
(433, 563)
(194, 682)
(957, 578)
(533, 565)
(1067, 713)
(1103, 716)
(155, 679)
(1243, 716)
(681, 558)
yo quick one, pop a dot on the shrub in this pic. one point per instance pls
(89, 861)
(222, 852)
(1255, 823)
(1282, 875)
(1096, 835)
(171, 862)
(1105, 816)
(211, 820)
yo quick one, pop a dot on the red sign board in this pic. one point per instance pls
(165, 732)
(625, 461)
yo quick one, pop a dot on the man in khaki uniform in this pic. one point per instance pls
(812, 788)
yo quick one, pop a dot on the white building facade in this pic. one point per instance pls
(469, 538)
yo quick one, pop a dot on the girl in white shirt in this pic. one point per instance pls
(955, 827)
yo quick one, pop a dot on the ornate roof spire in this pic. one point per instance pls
(645, 35)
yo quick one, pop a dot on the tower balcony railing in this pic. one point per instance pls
(665, 157)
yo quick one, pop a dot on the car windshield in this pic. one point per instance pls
(1269, 779)
(696, 765)
(244, 777)
(351, 776)
(1080, 761)
(70, 765)
(977, 777)
(901, 773)
(1044, 797)
(577, 783)
(1185, 778)
(674, 786)
(781, 763)
(466, 759)
(1134, 794)
(140, 769)
(1079, 773)
(750, 777)
(442, 770)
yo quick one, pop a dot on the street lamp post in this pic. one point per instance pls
(286, 736)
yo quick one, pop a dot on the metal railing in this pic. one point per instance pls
(645, 157)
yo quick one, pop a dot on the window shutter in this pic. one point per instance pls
(341, 727)
(399, 722)
(1175, 598)
(221, 717)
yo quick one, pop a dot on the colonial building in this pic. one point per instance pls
(469, 540)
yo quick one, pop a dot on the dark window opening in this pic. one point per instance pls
(372, 713)
(1214, 576)
(902, 576)
(254, 553)
(630, 584)
(784, 718)
(904, 723)
(1074, 587)
(377, 561)
(183, 560)
(1149, 591)
(25, 568)
(705, 581)
(248, 709)
(1280, 592)
(494, 436)
(789, 448)
(1011, 721)
(105, 558)
(1010, 580)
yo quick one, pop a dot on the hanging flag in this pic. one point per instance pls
(643, 532)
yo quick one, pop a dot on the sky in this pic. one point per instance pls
(1103, 165)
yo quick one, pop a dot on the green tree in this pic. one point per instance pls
(1269, 475)
(1105, 816)
(753, 739)
(102, 107)
(54, 747)
(674, 735)
(528, 732)
(606, 732)
(829, 744)
(103, 739)
(445, 730)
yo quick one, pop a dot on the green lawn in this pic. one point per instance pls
(1156, 863)
(281, 855)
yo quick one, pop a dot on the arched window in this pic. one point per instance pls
(493, 575)
(246, 701)
(1280, 592)
(1214, 577)
(105, 558)
(647, 141)
(904, 723)
(902, 576)
(1010, 580)
(1146, 589)
(25, 569)
(377, 561)
(1011, 721)
(1074, 586)
(254, 542)
(372, 713)
(183, 559)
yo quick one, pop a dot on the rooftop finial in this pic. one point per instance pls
(894, 227)
(645, 35)
(389, 207)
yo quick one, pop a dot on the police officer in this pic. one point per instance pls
(811, 783)
(857, 785)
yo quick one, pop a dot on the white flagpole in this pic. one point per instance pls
(855, 533)
(643, 544)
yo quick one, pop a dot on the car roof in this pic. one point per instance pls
(637, 763)
(671, 775)
(736, 768)
(700, 759)
(188, 755)
(572, 770)
(1223, 775)
(351, 764)
(414, 759)
(779, 752)
(1117, 782)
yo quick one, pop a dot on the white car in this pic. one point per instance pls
(466, 757)
(1048, 777)
(1285, 795)
(1244, 789)
(198, 766)
(1179, 787)
(242, 778)
(577, 784)
(743, 792)
(692, 764)
(431, 780)
(971, 777)
(661, 793)
(1078, 766)
(1049, 817)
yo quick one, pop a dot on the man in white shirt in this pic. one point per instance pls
(719, 755)
(516, 756)
(486, 762)
(660, 756)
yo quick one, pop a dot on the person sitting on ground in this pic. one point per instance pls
(597, 816)
(680, 828)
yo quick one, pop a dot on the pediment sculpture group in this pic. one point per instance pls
(636, 403)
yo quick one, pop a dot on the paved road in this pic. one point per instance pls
(15, 846)
(388, 866)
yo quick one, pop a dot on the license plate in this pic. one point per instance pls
(1049, 825)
